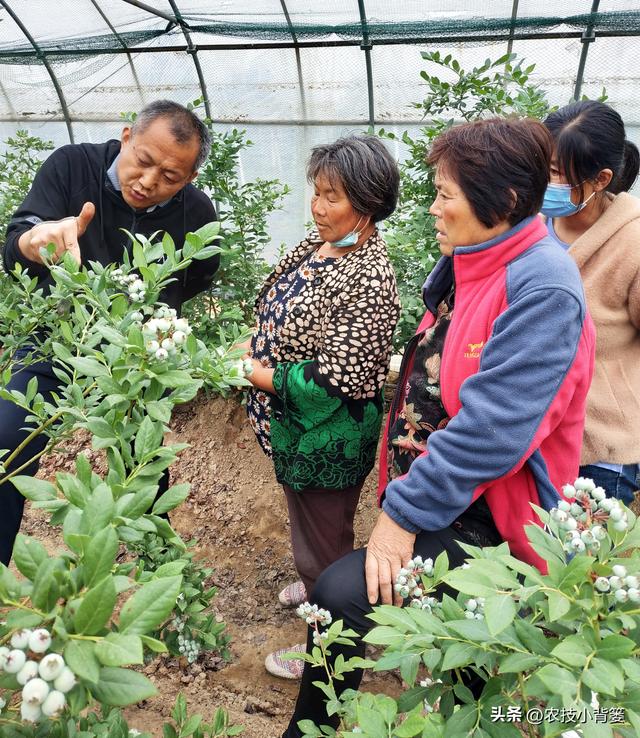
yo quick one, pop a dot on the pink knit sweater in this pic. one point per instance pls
(608, 256)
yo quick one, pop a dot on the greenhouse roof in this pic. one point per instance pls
(294, 73)
(76, 60)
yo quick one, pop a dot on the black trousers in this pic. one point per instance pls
(13, 431)
(342, 590)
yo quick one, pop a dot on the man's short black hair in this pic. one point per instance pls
(185, 125)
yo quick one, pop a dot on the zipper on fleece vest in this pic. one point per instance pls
(443, 357)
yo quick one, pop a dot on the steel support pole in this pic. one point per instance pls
(191, 49)
(296, 49)
(514, 18)
(124, 46)
(267, 45)
(588, 37)
(150, 9)
(366, 46)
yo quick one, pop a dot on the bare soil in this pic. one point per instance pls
(237, 513)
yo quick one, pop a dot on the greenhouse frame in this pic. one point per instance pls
(289, 72)
(334, 383)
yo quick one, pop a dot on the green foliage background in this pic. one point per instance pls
(499, 87)
(18, 165)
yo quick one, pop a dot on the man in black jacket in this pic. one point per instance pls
(81, 198)
(85, 193)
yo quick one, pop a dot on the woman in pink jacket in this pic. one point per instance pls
(489, 410)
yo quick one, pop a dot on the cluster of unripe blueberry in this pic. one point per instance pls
(164, 333)
(428, 682)
(131, 284)
(44, 682)
(408, 584)
(319, 636)
(313, 614)
(474, 608)
(624, 587)
(583, 520)
(240, 368)
(188, 647)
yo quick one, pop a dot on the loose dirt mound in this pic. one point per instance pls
(237, 513)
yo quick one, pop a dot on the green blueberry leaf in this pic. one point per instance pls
(573, 650)
(33, 489)
(99, 555)
(615, 647)
(96, 608)
(88, 367)
(173, 497)
(28, 555)
(119, 650)
(149, 606)
(458, 654)
(81, 659)
(46, 589)
(558, 680)
(517, 662)
(499, 612)
(121, 687)
(604, 677)
(148, 438)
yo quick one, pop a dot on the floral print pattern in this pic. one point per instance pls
(274, 306)
(346, 318)
(337, 450)
(330, 352)
(422, 411)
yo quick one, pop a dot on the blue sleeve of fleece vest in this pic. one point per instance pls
(531, 349)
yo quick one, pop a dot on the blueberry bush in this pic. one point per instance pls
(497, 648)
(124, 586)
(497, 87)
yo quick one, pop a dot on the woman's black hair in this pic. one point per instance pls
(366, 170)
(589, 136)
(500, 164)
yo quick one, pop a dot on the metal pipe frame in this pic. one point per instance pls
(366, 46)
(296, 49)
(514, 18)
(587, 38)
(42, 57)
(149, 9)
(255, 122)
(193, 51)
(124, 46)
(266, 45)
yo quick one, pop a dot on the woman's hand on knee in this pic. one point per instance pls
(390, 548)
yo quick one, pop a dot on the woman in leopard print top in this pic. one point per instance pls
(321, 350)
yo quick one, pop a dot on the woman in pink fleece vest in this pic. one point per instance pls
(590, 213)
(488, 413)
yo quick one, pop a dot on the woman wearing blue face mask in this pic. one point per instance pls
(590, 213)
(324, 321)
